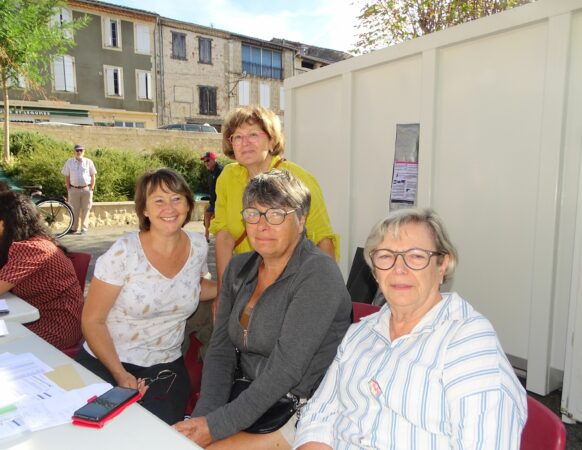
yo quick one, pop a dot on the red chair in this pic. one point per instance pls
(193, 365)
(360, 310)
(81, 264)
(543, 430)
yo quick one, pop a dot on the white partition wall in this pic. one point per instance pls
(498, 103)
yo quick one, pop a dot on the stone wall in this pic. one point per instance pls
(137, 139)
(113, 214)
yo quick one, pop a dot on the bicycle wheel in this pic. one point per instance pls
(57, 214)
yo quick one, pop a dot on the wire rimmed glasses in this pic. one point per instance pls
(162, 375)
(253, 137)
(274, 216)
(414, 258)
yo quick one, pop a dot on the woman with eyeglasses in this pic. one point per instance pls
(252, 135)
(144, 288)
(284, 309)
(427, 370)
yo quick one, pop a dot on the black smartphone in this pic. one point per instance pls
(105, 404)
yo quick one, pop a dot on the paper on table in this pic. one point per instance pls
(3, 328)
(20, 366)
(4, 307)
(66, 377)
(58, 410)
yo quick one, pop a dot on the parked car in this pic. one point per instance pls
(201, 128)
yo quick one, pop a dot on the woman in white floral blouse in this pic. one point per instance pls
(145, 287)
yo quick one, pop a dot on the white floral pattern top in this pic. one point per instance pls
(147, 321)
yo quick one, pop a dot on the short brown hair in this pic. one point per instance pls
(253, 115)
(165, 179)
(278, 189)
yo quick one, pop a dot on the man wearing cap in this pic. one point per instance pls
(80, 176)
(214, 170)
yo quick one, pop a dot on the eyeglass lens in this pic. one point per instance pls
(415, 258)
(274, 216)
(253, 138)
(161, 376)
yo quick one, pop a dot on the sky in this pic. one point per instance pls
(323, 23)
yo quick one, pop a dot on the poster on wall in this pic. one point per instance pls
(405, 167)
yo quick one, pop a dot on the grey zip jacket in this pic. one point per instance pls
(292, 337)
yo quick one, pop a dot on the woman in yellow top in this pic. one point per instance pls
(252, 135)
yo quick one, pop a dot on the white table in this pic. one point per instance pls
(20, 311)
(134, 428)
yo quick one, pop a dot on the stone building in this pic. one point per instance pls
(134, 68)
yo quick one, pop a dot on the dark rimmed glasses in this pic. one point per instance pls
(274, 216)
(162, 375)
(414, 258)
(253, 137)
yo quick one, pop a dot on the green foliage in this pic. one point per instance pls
(118, 171)
(388, 22)
(38, 160)
(29, 41)
(188, 163)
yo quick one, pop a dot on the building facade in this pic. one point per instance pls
(134, 68)
(107, 79)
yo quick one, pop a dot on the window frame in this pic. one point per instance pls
(139, 29)
(147, 77)
(265, 95)
(254, 62)
(206, 94)
(174, 55)
(63, 59)
(106, 70)
(108, 43)
(244, 92)
(63, 15)
(206, 41)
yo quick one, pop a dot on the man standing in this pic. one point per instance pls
(214, 170)
(80, 176)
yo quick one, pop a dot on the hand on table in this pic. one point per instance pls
(195, 429)
(126, 379)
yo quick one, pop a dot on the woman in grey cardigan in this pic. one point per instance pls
(284, 307)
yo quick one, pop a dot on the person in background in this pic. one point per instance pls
(214, 170)
(284, 306)
(144, 288)
(252, 135)
(427, 371)
(80, 175)
(35, 267)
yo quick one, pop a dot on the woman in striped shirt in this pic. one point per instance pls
(427, 371)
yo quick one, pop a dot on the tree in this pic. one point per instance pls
(388, 22)
(30, 38)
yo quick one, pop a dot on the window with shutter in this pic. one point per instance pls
(144, 85)
(142, 39)
(244, 97)
(282, 99)
(111, 33)
(207, 100)
(113, 81)
(178, 45)
(265, 96)
(64, 74)
(205, 50)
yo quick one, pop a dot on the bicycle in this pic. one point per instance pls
(56, 212)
